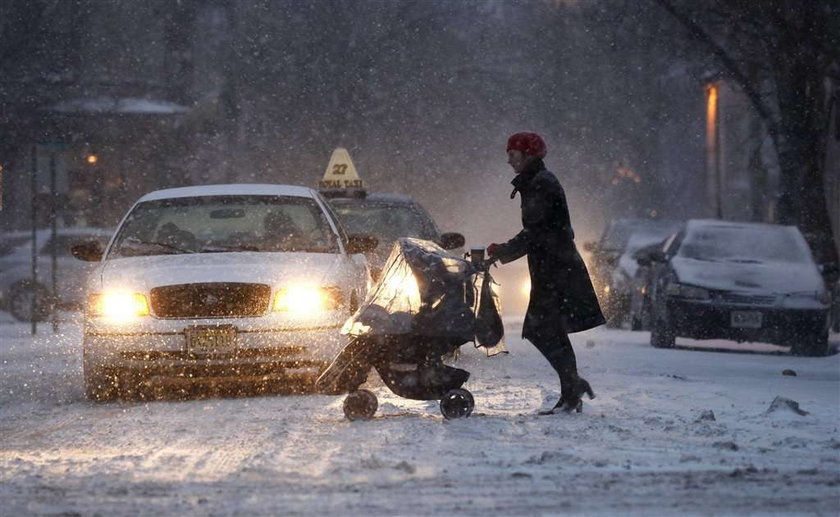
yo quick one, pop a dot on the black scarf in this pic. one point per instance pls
(524, 178)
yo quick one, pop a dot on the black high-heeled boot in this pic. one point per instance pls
(574, 402)
(572, 399)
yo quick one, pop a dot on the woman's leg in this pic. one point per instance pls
(561, 357)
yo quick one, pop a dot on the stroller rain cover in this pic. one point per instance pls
(426, 291)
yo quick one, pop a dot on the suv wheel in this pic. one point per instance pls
(661, 335)
(810, 345)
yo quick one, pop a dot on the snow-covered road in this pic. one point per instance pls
(647, 445)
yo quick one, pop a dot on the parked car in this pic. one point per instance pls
(641, 285)
(388, 217)
(223, 283)
(739, 281)
(610, 276)
(825, 255)
(17, 287)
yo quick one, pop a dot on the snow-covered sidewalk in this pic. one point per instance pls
(684, 431)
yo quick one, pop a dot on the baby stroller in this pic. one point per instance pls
(425, 305)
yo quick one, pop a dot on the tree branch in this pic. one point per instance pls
(728, 62)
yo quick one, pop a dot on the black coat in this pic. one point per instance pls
(562, 297)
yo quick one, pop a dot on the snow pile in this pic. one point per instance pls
(782, 405)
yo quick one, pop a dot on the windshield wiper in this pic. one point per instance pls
(744, 260)
(222, 249)
(133, 244)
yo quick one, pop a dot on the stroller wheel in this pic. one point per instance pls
(457, 403)
(360, 405)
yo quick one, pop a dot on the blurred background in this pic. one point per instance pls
(105, 100)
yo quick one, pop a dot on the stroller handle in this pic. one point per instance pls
(484, 265)
(479, 262)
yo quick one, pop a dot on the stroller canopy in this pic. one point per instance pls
(426, 291)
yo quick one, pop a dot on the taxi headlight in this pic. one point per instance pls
(118, 305)
(302, 299)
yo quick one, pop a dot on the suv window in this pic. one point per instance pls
(9, 244)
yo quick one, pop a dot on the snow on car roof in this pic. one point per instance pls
(233, 189)
(711, 239)
(378, 197)
(702, 223)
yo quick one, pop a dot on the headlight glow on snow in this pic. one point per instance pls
(303, 299)
(118, 305)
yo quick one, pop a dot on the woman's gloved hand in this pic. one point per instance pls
(492, 249)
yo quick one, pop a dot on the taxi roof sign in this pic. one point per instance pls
(341, 173)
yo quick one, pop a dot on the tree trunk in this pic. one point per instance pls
(802, 117)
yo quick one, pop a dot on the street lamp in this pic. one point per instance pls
(713, 170)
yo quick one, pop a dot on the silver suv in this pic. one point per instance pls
(17, 287)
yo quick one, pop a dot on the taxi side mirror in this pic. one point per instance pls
(658, 256)
(452, 240)
(89, 251)
(358, 243)
(643, 259)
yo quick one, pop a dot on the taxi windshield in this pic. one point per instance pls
(220, 224)
(385, 221)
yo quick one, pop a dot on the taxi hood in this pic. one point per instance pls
(145, 273)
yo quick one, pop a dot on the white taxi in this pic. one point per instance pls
(222, 283)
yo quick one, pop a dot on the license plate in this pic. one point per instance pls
(746, 319)
(211, 339)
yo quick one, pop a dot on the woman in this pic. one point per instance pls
(562, 298)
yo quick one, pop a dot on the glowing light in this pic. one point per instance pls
(118, 305)
(304, 299)
(711, 108)
(405, 284)
(526, 287)
(92, 159)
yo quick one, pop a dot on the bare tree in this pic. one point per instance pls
(779, 52)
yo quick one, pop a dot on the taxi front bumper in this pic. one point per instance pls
(252, 347)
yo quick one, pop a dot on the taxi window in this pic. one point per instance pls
(218, 224)
(384, 221)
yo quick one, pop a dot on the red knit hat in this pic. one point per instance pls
(528, 143)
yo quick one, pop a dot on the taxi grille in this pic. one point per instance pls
(210, 300)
